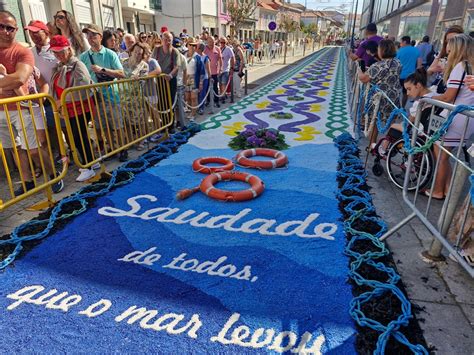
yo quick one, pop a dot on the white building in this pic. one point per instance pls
(105, 13)
(194, 15)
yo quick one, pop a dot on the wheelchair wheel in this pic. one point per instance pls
(377, 169)
(421, 170)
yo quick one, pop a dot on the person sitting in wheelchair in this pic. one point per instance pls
(417, 89)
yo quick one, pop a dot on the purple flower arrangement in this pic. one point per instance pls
(255, 137)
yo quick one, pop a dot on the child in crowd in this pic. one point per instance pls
(371, 48)
(417, 89)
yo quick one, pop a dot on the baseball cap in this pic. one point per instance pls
(164, 29)
(177, 42)
(58, 43)
(36, 26)
(92, 28)
(371, 27)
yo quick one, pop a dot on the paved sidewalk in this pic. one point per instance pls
(445, 292)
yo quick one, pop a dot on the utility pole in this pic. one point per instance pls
(192, 15)
(354, 24)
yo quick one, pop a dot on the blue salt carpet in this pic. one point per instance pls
(144, 272)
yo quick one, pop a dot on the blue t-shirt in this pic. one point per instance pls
(104, 58)
(408, 56)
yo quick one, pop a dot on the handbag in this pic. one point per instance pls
(101, 77)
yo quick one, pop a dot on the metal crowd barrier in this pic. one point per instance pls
(29, 128)
(110, 117)
(458, 199)
(452, 223)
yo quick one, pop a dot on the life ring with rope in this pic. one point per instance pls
(280, 159)
(199, 165)
(208, 188)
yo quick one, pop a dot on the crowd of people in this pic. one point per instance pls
(65, 56)
(405, 70)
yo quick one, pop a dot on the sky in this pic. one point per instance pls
(321, 4)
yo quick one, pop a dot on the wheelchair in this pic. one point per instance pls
(391, 149)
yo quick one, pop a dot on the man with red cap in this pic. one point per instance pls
(44, 59)
(46, 62)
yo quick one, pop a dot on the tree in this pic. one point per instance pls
(310, 31)
(287, 25)
(239, 12)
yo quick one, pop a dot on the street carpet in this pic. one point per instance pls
(144, 272)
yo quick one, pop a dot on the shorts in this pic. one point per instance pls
(110, 115)
(28, 141)
(190, 85)
(39, 116)
(224, 78)
(453, 136)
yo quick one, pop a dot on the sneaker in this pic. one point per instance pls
(29, 185)
(140, 146)
(123, 157)
(155, 138)
(96, 166)
(57, 187)
(85, 175)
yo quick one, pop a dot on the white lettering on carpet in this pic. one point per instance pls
(231, 333)
(227, 222)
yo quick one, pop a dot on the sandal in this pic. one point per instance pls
(427, 193)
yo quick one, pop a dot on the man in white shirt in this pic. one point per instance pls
(44, 59)
(46, 62)
(228, 60)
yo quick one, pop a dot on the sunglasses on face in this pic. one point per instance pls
(59, 17)
(9, 29)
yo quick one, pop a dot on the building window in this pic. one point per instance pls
(224, 7)
(155, 5)
(108, 16)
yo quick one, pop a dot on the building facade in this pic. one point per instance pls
(417, 18)
(106, 13)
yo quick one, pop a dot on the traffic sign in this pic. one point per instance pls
(272, 26)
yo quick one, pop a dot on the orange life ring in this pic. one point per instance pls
(280, 158)
(199, 165)
(256, 189)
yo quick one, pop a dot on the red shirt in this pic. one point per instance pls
(70, 105)
(10, 57)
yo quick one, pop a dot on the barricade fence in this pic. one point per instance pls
(96, 121)
(27, 149)
(107, 118)
(422, 160)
